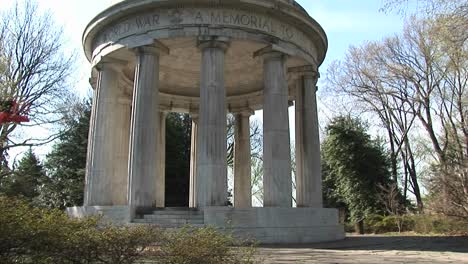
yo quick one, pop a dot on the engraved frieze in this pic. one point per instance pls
(203, 17)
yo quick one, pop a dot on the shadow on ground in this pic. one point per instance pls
(398, 243)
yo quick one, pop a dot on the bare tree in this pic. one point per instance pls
(256, 139)
(256, 152)
(426, 7)
(257, 180)
(34, 70)
(362, 76)
(420, 75)
(390, 197)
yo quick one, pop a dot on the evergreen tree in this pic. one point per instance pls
(354, 167)
(66, 163)
(26, 179)
(178, 138)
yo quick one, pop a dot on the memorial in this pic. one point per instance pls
(206, 58)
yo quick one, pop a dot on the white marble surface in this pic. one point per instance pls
(308, 167)
(106, 179)
(277, 182)
(143, 165)
(211, 141)
(242, 161)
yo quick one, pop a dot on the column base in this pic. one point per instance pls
(277, 225)
(119, 215)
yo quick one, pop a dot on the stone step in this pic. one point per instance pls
(169, 212)
(157, 216)
(166, 226)
(172, 222)
(175, 220)
(172, 217)
(177, 209)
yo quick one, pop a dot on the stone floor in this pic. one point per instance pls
(372, 249)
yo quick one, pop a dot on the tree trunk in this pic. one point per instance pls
(359, 227)
(414, 178)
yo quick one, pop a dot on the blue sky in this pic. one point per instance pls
(346, 23)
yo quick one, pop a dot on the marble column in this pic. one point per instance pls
(145, 130)
(277, 182)
(211, 142)
(242, 161)
(88, 190)
(161, 175)
(308, 167)
(193, 163)
(106, 175)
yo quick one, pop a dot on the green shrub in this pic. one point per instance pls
(378, 224)
(373, 224)
(33, 235)
(25, 231)
(125, 245)
(421, 224)
(85, 242)
(203, 246)
(40, 236)
(349, 227)
(15, 217)
(435, 224)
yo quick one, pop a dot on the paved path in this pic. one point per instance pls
(372, 249)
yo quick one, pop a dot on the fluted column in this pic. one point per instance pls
(242, 161)
(106, 173)
(308, 167)
(277, 182)
(143, 167)
(211, 145)
(193, 163)
(89, 177)
(161, 175)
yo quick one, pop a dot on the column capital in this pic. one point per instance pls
(307, 71)
(272, 51)
(245, 113)
(157, 48)
(109, 62)
(194, 116)
(204, 42)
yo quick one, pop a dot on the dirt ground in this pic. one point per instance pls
(372, 249)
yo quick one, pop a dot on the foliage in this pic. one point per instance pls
(395, 204)
(257, 180)
(26, 179)
(448, 187)
(379, 224)
(415, 82)
(420, 224)
(436, 224)
(125, 245)
(354, 167)
(66, 163)
(178, 143)
(33, 235)
(204, 245)
(256, 139)
(427, 7)
(34, 71)
(256, 153)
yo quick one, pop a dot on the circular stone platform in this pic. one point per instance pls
(207, 58)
